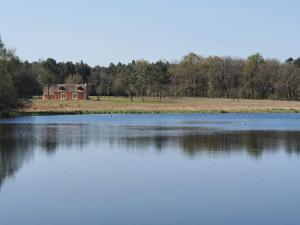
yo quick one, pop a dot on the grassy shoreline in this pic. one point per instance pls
(121, 105)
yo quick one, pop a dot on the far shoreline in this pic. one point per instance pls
(144, 113)
(167, 105)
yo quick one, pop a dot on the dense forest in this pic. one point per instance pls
(193, 76)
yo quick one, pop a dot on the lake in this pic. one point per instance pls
(150, 169)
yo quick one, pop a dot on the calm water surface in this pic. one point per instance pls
(150, 169)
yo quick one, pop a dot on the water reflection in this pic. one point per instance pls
(18, 142)
(222, 142)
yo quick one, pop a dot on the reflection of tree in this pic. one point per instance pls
(49, 137)
(159, 142)
(254, 142)
(13, 152)
(257, 142)
(17, 142)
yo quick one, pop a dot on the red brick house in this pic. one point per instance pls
(66, 92)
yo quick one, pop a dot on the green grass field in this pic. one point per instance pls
(153, 105)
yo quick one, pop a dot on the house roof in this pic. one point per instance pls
(65, 88)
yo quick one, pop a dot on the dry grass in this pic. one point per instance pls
(166, 105)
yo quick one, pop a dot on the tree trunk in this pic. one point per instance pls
(48, 87)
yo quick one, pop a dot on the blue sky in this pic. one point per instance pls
(100, 32)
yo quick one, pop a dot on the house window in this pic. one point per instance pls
(63, 96)
(74, 96)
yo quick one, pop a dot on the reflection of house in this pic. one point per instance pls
(66, 92)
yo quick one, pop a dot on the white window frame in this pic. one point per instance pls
(63, 94)
(76, 98)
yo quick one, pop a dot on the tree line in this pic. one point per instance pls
(192, 76)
